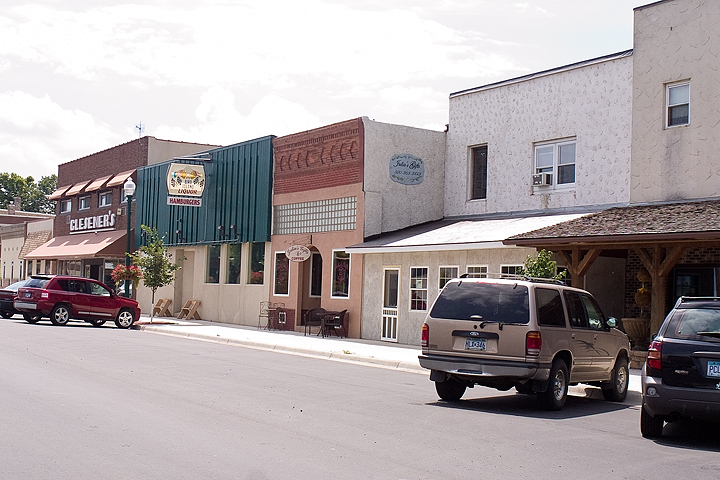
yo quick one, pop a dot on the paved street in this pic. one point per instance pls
(86, 403)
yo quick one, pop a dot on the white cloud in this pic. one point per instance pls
(219, 121)
(37, 134)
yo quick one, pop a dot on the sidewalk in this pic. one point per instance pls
(368, 352)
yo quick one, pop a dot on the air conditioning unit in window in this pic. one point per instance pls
(542, 179)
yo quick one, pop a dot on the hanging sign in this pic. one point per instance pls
(297, 253)
(407, 169)
(184, 179)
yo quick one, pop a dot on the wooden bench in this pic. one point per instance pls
(189, 311)
(162, 308)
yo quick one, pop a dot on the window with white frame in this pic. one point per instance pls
(66, 205)
(557, 161)
(510, 269)
(447, 274)
(105, 199)
(418, 288)
(477, 271)
(341, 274)
(479, 176)
(84, 203)
(282, 274)
(678, 104)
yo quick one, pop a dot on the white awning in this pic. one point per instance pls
(458, 234)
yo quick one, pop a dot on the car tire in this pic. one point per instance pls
(650, 427)
(124, 319)
(7, 314)
(31, 318)
(556, 394)
(60, 315)
(450, 390)
(619, 380)
(97, 322)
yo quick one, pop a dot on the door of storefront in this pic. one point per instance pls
(391, 279)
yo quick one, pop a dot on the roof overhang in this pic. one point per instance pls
(83, 245)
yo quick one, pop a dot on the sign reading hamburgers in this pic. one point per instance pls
(186, 179)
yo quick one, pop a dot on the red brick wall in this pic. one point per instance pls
(329, 156)
(118, 159)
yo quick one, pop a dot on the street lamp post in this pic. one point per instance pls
(129, 188)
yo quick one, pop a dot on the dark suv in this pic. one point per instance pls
(681, 377)
(63, 297)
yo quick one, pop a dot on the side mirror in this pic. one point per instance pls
(612, 322)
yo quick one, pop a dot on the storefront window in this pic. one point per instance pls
(213, 264)
(341, 274)
(233, 263)
(316, 275)
(282, 271)
(256, 264)
(70, 267)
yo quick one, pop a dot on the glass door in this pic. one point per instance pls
(391, 279)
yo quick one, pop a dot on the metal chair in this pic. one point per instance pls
(314, 317)
(333, 322)
(264, 313)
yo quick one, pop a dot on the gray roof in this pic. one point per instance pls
(678, 221)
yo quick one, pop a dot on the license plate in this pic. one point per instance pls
(477, 344)
(713, 369)
(28, 294)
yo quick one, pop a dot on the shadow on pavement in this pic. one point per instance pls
(527, 406)
(690, 434)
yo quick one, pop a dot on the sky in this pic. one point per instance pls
(79, 76)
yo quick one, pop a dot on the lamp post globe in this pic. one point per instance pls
(129, 189)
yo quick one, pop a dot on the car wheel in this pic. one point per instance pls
(450, 390)
(650, 427)
(619, 382)
(97, 322)
(124, 319)
(31, 318)
(7, 314)
(555, 396)
(60, 315)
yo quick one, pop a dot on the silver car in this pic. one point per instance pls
(537, 336)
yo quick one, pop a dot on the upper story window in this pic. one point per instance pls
(678, 104)
(84, 203)
(555, 161)
(66, 205)
(105, 199)
(478, 173)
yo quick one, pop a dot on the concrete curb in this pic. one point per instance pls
(385, 356)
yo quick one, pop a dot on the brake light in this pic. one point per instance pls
(654, 359)
(425, 335)
(44, 294)
(533, 343)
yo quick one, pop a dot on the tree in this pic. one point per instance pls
(32, 195)
(155, 262)
(541, 266)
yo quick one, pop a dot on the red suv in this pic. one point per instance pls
(63, 297)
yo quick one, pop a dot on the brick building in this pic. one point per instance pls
(91, 209)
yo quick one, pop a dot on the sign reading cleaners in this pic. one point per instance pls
(407, 169)
(95, 223)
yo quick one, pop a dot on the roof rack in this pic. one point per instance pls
(681, 300)
(510, 276)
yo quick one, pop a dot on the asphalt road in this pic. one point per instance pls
(80, 402)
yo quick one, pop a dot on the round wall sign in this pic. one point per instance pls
(297, 253)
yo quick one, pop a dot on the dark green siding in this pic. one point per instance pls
(238, 191)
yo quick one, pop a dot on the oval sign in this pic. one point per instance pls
(297, 253)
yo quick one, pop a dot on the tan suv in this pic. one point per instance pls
(536, 335)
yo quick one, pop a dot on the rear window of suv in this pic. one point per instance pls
(37, 282)
(490, 302)
(696, 322)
